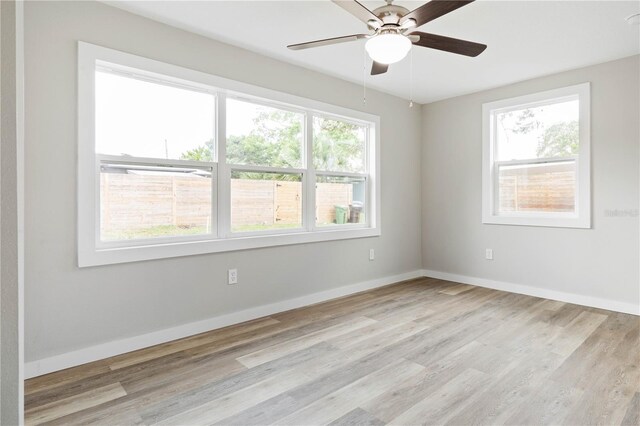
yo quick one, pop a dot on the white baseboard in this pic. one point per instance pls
(578, 299)
(117, 347)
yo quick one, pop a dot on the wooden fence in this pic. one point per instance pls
(141, 201)
(265, 202)
(144, 201)
(549, 188)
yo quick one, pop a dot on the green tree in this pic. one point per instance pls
(276, 140)
(201, 153)
(559, 140)
(337, 145)
(524, 123)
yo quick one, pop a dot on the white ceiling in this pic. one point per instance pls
(526, 39)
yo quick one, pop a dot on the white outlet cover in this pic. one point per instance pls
(232, 276)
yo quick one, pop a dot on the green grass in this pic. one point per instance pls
(153, 232)
(179, 231)
(251, 228)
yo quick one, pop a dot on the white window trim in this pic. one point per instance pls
(92, 252)
(582, 217)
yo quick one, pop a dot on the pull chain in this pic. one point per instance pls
(411, 78)
(364, 77)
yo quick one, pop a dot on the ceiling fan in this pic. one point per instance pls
(394, 31)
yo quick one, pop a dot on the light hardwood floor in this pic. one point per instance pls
(419, 352)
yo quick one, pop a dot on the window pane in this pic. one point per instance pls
(147, 202)
(338, 146)
(546, 187)
(340, 200)
(261, 201)
(263, 136)
(143, 119)
(541, 132)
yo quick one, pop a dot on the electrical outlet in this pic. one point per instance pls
(488, 254)
(233, 276)
(372, 254)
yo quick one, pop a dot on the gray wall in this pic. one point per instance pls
(69, 308)
(10, 383)
(600, 262)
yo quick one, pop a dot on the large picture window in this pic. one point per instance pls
(536, 159)
(175, 162)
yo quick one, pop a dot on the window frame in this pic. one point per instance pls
(581, 217)
(316, 173)
(143, 161)
(226, 231)
(92, 251)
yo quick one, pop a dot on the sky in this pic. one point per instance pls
(144, 119)
(513, 146)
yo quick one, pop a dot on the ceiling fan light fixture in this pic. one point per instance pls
(388, 48)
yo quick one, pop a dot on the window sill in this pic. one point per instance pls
(108, 256)
(551, 221)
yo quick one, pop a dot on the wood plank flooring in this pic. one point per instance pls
(423, 351)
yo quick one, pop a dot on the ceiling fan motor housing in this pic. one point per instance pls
(390, 14)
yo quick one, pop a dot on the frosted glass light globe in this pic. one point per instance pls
(388, 48)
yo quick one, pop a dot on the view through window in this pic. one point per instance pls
(157, 148)
(145, 124)
(536, 169)
(537, 150)
(339, 155)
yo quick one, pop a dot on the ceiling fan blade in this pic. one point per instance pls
(432, 10)
(327, 41)
(359, 11)
(378, 68)
(448, 44)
